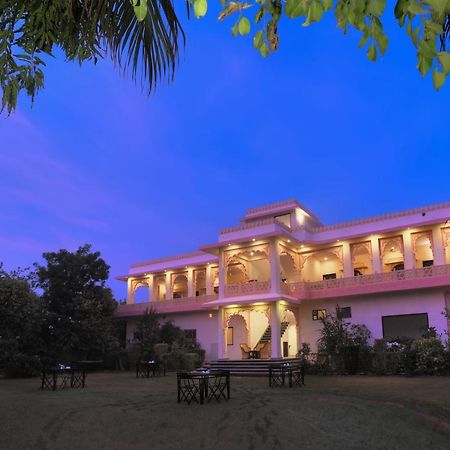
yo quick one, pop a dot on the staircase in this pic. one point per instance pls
(267, 335)
(248, 367)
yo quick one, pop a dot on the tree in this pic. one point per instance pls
(80, 306)
(21, 317)
(147, 333)
(143, 36)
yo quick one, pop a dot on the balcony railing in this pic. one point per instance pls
(411, 278)
(175, 304)
(253, 287)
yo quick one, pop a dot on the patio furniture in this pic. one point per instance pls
(276, 375)
(63, 377)
(218, 385)
(245, 351)
(147, 369)
(188, 388)
(279, 371)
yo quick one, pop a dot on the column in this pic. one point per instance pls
(274, 256)
(376, 257)
(221, 274)
(130, 293)
(168, 287)
(150, 280)
(275, 327)
(191, 283)
(221, 343)
(409, 257)
(347, 257)
(208, 281)
(438, 247)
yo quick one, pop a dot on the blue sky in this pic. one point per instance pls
(142, 177)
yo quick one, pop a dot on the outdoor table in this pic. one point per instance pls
(63, 377)
(254, 354)
(145, 369)
(278, 372)
(204, 377)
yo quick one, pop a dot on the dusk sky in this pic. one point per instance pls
(96, 161)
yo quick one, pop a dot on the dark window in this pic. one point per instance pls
(190, 334)
(427, 263)
(176, 295)
(318, 314)
(344, 313)
(408, 325)
(329, 276)
(357, 273)
(400, 266)
(216, 289)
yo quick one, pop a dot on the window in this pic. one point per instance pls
(176, 295)
(230, 336)
(427, 263)
(405, 325)
(400, 266)
(285, 219)
(357, 273)
(216, 289)
(344, 313)
(329, 276)
(318, 314)
(190, 334)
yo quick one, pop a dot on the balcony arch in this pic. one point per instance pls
(423, 249)
(323, 265)
(180, 286)
(392, 256)
(361, 258)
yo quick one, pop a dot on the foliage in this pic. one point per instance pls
(21, 316)
(427, 23)
(141, 36)
(147, 333)
(170, 333)
(80, 308)
(430, 356)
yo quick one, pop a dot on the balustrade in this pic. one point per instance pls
(253, 287)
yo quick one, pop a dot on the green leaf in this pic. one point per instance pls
(200, 8)
(438, 79)
(258, 39)
(140, 9)
(415, 8)
(372, 53)
(424, 64)
(383, 43)
(235, 29)
(327, 4)
(244, 26)
(444, 59)
(264, 50)
(315, 13)
(295, 8)
(434, 27)
(376, 7)
(363, 40)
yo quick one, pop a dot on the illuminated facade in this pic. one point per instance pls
(281, 270)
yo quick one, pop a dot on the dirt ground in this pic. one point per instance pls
(118, 411)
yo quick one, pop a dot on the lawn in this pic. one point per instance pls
(118, 411)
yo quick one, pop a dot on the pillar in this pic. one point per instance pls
(208, 280)
(347, 257)
(274, 256)
(130, 293)
(438, 247)
(376, 257)
(168, 287)
(150, 280)
(191, 283)
(221, 274)
(275, 327)
(221, 342)
(409, 257)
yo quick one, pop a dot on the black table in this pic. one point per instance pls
(63, 378)
(207, 386)
(279, 371)
(147, 369)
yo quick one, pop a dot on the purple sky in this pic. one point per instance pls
(96, 161)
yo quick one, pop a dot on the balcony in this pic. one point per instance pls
(165, 306)
(427, 277)
(250, 288)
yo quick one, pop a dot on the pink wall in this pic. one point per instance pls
(368, 310)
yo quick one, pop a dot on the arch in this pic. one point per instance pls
(423, 249)
(200, 282)
(289, 339)
(288, 267)
(255, 260)
(179, 285)
(322, 265)
(160, 288)
(236, 272)
(361, 258)
(392, 257)
(239, 326)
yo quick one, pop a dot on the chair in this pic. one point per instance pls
(218, 384)
(188, 388)
(276, 375)
(245, 351)
(297, 376)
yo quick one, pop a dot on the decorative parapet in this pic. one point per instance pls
(169, 258)
(406, 278)
(256, 224)
(161, 306)
(253, 287)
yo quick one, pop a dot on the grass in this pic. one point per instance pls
(118, 411)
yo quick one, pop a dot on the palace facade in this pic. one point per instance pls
(267, 282)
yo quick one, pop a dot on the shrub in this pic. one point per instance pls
(430, 356)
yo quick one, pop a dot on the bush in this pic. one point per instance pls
(430, 356)
(16, 363)
(178, 359)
